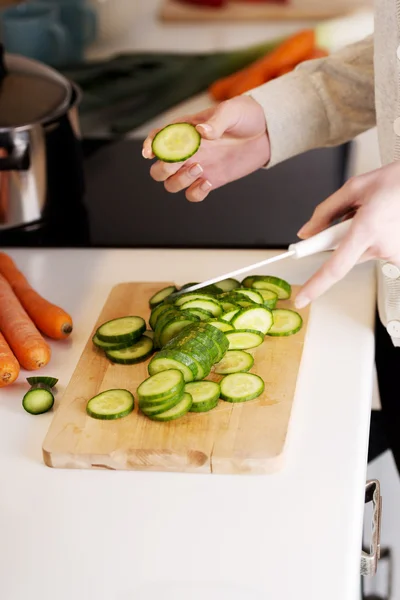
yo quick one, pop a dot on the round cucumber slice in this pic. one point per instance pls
(122, 329)
(161, 295)
(165, 383)
(221, 325)
(286, 322)
(176, 142)
(174, 359)
(281, 287)
(244, 339)
(229, 315)
(270, 298)
(250, 294)
(258, 318)
(110, 405)
(178, 411)
(38, 401)
(228, 284)
(109, 345)
(213, 306)
(138, 352)
(205, 395)
(241, 387)
(183, 298)
(154, 408)
(235, 361)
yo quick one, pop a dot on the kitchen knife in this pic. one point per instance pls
(325, 240)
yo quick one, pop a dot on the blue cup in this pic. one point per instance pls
(33, 29)
(80, 20)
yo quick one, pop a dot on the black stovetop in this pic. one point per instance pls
(124, 207)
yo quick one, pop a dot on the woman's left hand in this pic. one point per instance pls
(374, 233)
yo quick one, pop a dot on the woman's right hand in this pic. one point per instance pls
(235, 143)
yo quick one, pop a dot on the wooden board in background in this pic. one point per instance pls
(306, 10)
(233, 438)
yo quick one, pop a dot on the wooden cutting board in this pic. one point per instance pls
(307, 10)
(247, 438)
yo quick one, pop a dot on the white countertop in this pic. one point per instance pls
(144, 536)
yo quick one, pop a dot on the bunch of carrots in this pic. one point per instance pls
(283, 59)
(24, 317)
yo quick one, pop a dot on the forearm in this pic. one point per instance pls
(322, 103)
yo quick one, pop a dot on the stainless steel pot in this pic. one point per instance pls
(39, 140)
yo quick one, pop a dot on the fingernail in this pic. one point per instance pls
(206, 127)
(301, 301)
(195, 170)
(145, 153)
(205, 186)
(303, 229)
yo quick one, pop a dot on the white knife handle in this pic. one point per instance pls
(328, 239)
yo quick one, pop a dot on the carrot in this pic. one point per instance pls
(9, 366)
(219, 90)
(316, 53)
(30, 349)
(52, 320)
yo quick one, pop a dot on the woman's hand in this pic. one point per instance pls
(235, 143)
(374, 198)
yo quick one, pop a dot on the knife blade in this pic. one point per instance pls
(321, 242)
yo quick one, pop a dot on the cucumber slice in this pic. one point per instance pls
(156, 314)
(250, 294)
(179, 410)
(174, 359)
(258, 318)
(248, 281)
(173, 327)
(241, 387)
(110, 345)
(229, 315)
(112, 404)
(228, 284)
(235, 361)
(203, 315)
(122, 329)
(38, 400)
(161, 385)
(243, 339)
(161, 295)
(279, 286)
(47, 381)
(221, 325)
(138, 352)
(176, 142)
(149, 334)
(183, 298)
(228, 305)
(270, 298)
(213, 306)
(154, 408)
(286, 322)
(205, 395)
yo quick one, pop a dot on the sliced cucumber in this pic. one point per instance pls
(173, 327)
(110, 345)
(161, 385)
(138, 352)
(176, 142)
(47, 381)
(270, 298)
(112, 404)
(228, 305)
(251, 294)
(213, 306)
(241, 387)
(205, 395)
(275, 284)
(286, 322)
(122, 329)
(149, 334)
(228, 284)
(161, 295)
(155, 408)
(203, 315)
(183, 298)
(221, 325)
(174, 359)
(248, 281)
(38, 400)
(229, 315)
(156, 314)
(178, 411)
(244, 339)
(258, 318)
(235, 361)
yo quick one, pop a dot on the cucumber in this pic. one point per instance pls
(270, 298)
(110, 345)
(228, 284)
(176, 142)
(156, 314)
(203, 315)
(213, 306)
(274, 284)
(250, 294)
(248, 281)
(241, 387)
(228, 305)
(286, 322)
(112, 404)
(221, 325)
(235, 361)
(39, 399)
(174, 359)
(138, 352)
(173, 327)
(258, 318)
(47, 381)
(161, 385)
(155, 408)
(122, 329)
(149, 334)
(176, 412)
(183, 298)
(161, 295)
(205, 395)
(244, 339)
(229, 315)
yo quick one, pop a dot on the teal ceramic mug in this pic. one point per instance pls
(33, 29)
(80, 20)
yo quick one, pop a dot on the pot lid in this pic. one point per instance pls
(30, 92)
